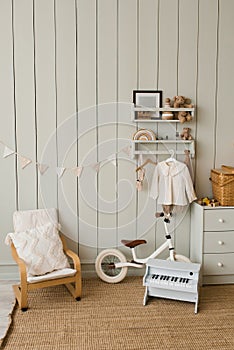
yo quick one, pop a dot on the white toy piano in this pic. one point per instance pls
(172, 280)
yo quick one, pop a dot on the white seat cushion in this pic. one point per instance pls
(41, 249)
(52, 275)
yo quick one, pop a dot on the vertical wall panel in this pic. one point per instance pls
(205, 115)
(225, 93)
(87, 135)
(168, 45)
(66, 117)
(168, 73)
(148, 79)
(25, 101)
(46, 100)
(127, 66)
(107, 85)
(187, 74)
(7, 134)
(127, 62)
(148, 44)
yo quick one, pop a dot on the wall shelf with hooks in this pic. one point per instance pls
(166, 146)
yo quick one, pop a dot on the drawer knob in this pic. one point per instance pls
(220, 242)
(220, 264)
(221, 220)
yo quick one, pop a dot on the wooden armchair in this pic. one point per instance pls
(70, 277)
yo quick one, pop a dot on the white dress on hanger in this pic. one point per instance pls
(172, 184)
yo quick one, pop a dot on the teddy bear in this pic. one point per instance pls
(184, 116)
(182, 102)
(185, 135)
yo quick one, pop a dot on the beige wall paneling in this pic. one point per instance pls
(225, 93)
(148, 79)
(87, 134)
(107, 119)
(46, 100)
(66, 117)
(187, 75)
(206, 92)
(52, 84)
(167, 81)
(25, 101)
(127, 81)
(8, 185)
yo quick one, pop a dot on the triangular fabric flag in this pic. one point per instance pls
(112, 159)
(78, 170)
(114, 162)
(60, 171)
(7, 152)
(127, 150)
(24, 162)
(96, 167)
(42, 168)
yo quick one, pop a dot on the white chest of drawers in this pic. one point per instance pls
(212, 242)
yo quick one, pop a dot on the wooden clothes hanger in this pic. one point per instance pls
(148, 160)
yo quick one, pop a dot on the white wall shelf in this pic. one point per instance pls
(134, 111)
(178, 146)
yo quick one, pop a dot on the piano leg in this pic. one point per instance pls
(145, 296)
(196, 306)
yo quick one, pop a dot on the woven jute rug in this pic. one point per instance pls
(113, 317)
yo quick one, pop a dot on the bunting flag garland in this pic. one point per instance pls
(127, 150)
(42, 168)
(7, 152)
(114, 162)
(24, 161)
(112, 159)
(96, 167)
(60, 171)
(77, 171)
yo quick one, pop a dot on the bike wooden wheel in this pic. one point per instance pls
(105, 266)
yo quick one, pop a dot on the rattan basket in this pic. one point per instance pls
(223, 186)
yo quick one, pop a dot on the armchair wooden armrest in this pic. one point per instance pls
(21, 289)
(71, 254)
(76, 261)
(20, 263)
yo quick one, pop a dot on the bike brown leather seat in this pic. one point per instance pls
(134, 243)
